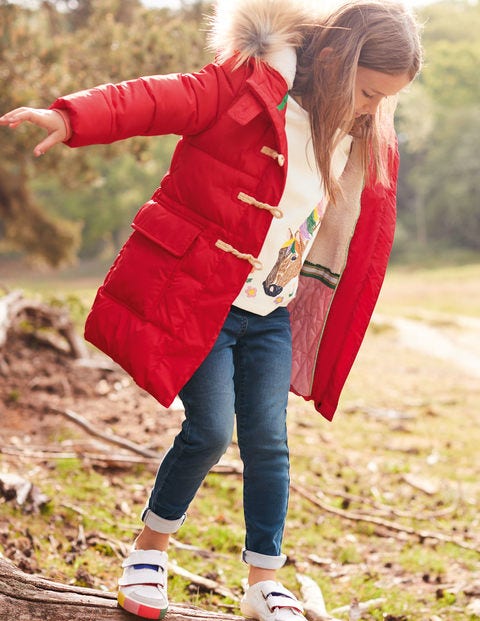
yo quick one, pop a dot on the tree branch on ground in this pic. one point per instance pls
(205, 584)
(385, 510)
(78, 419)
(388, 524)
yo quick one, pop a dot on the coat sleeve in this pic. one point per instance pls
(165, 104)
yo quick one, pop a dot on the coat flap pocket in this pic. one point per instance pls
(245, 109)
(165, 228)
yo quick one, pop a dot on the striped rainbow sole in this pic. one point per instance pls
(141, 610)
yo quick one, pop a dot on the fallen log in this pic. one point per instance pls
(15, 308)
(25, 597)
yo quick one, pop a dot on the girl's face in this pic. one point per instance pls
(372, 86)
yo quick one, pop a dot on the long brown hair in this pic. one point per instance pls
(383, 36)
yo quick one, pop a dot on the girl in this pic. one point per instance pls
(273, 226)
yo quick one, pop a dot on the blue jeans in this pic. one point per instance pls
(247, 375)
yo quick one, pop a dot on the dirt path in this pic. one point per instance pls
(454, 339)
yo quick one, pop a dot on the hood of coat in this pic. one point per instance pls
(267, 30)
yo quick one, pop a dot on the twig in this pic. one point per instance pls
(395, 526)
(388, 510)
(204, 583)
(313, 601)
(112, 438)
(221, 468)
(425, 486)
(362, 606)
(73, 508)
(114, 459)
(179, 545)
(118, 547)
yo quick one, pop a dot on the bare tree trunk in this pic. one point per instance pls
(24, 597)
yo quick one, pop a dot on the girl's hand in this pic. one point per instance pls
(55, 122)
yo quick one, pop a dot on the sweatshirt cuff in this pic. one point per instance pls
(66, 121)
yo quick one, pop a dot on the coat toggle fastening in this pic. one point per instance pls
(275, 211)
(274, 155)
(255, 263)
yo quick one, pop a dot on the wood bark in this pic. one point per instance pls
(14, 307)
(25, 597)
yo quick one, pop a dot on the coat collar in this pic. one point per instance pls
(259, 29)
(285, 62)
(271, 88)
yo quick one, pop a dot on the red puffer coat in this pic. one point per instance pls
(193, 244)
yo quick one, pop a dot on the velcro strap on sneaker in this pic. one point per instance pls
(280, 599)
(146, 557)
(142, 576)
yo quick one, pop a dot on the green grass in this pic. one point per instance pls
(358, 463)
(452, 290)
(440, 288)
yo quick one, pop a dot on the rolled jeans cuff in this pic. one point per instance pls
(263, 561)
(161, 525)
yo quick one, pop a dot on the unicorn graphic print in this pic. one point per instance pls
(292, 254)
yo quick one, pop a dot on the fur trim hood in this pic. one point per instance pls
(268, 30)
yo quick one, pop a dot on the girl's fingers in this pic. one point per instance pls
(46, 119)
(14, 124)
(15, 117)
(46, 144)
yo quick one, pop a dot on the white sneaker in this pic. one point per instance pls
(143, 586)
(270, 601)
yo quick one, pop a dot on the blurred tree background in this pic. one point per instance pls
(78, 203)
(439, 131)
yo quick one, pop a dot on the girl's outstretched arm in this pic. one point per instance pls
(55, 122)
